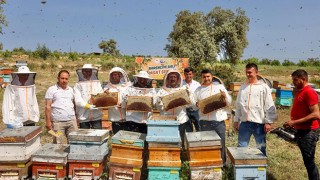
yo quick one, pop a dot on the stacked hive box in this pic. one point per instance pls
(164, 149)
(16, 147)
(284, 97)
(204, 155)
(5, 75)
(127, 160)
(248, 163)
(50, 162)
(235, 88)
(88, 151)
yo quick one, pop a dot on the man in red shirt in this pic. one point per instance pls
(305, 118)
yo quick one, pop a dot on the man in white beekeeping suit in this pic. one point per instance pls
(20, 105)
(118, 82)
(136, 120)
(88, 85)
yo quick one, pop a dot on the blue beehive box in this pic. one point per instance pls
(248, 163)
(284, 101)
(284, 93)
(163, 131)
(163, 173)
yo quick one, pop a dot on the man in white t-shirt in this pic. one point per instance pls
(191, 85)
(213, 121)
(60, 114)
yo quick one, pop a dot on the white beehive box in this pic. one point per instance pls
(19, 144)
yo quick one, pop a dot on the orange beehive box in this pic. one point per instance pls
(85, 169)
(48, 170)
(235, 86)
(164, 157)
(205, 156)
(15, 170)
(130, 155)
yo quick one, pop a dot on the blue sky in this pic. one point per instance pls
(286, 29)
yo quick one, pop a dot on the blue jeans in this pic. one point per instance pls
(91, 125)
(307, 142)
(247, 129)
(183, 128)
(220, 128)
(194, 118)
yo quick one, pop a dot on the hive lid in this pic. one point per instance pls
(129, 138)
(52, 150)
(23, 134)
(202, 138)
(89, 135)
(246, 156)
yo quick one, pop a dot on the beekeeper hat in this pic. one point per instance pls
(88, 66)
(142, 74)
(24, 70)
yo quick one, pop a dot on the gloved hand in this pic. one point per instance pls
(90, 106)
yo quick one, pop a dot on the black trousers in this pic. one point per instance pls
(307, 142)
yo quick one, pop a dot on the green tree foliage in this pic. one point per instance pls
(275, 63)
(3, 21)
(313, 61)
(302, 63)
(202, 37)
(251, 60)
(288, 63)
(73, 56)
(19, 50)
(229, 31)
(42, 52)
(265, 61)
(109, 47)
(1, 46)
(191, 39)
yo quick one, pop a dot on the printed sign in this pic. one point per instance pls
(158, 67)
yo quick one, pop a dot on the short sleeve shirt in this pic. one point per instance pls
(62, 107)
(304, 98)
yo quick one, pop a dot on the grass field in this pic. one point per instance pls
(284, 159)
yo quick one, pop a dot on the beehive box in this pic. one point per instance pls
(204, 156)
(121, 171)
(163, 131)
(50, 161)
(85, 170)
(284, 93)
(247, 162)
(129, 155)
(235, 86)
(88, 144)
(15, 170)
(163, 173)
(19, 144)
(283, 101)
(206, 172)
(202, 138)
(164, 157)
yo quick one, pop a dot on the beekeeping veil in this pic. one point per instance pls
(142, 74)
(87, 73)
(24, 77)
(124, 79)
(19, 99)
(166, 80)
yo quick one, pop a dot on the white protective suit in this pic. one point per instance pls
(116, 114)
(19, 101)
(179, 112)
(83, 90)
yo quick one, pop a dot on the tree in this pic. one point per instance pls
(191, 39)
(42, 51)
(109, 47)
(288, 63)
(202, 37)
(1, 46)
(229, 31)
(3, 21)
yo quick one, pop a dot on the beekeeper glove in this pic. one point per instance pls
(90, 106)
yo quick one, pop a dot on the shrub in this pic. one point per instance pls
(302, 63)
(42, 52)
(288, 63)
(275, 63)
